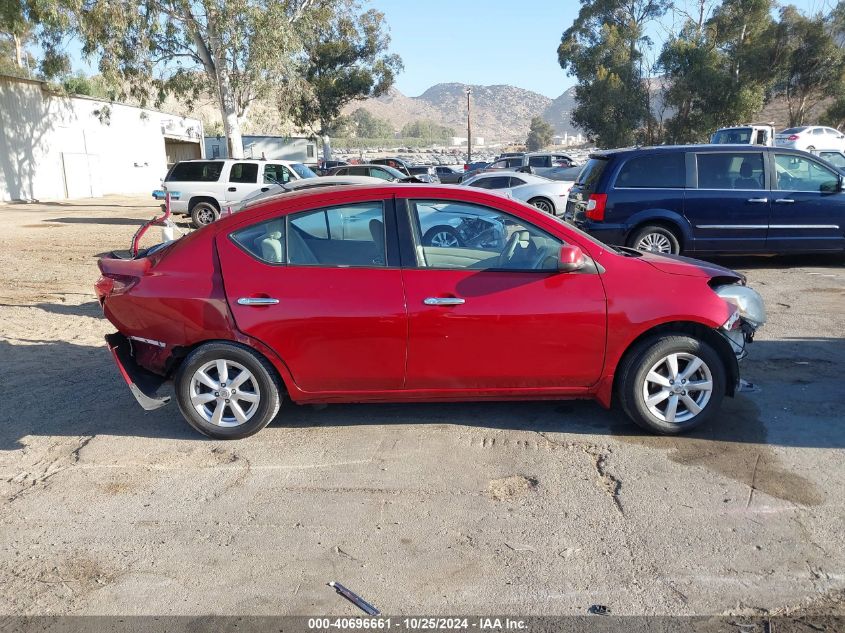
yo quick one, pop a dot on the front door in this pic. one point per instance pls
(491, 311)
(316, 287)
(729, 210)
(808, 212)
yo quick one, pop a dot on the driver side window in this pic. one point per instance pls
(454, 235)
(796, 173)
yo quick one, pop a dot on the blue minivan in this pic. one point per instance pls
(709, 199)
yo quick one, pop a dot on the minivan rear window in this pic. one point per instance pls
(653, 171)
(589, 176)
(196, 171)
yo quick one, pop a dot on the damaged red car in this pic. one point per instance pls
(419, 293)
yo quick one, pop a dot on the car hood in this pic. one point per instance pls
(687, 266)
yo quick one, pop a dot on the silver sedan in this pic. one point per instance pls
(547, 195)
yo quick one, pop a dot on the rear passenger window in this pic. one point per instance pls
(655, 171)
(196, 171)
(244, 172)
(348, 235)
(539, 161)
(730, 170)
(265, 241)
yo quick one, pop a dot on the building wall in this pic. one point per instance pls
(291, 148)
(54, 147)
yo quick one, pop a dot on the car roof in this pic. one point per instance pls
(703, 147)
(239, 160)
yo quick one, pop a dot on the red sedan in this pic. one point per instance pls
(354, 294)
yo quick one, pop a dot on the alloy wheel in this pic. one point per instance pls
(224, 393)
(205, 216)
(677, 387)
(544, 206)
(444, 238)
(655, 242)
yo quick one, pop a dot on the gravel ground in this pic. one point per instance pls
(532, 508)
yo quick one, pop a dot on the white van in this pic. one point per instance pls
(751, 134)
(204, 188)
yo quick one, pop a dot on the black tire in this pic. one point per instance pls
(655, 234)
(204, 213)
(543, 204)
(266, 385)
(631, 378)
(433, 233)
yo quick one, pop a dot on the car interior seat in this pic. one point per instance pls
(298, 250)
(377, 233)
(746, 178)
(271, 247)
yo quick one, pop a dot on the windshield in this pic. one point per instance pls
(732, 136)
(303, 171)
(395, 173)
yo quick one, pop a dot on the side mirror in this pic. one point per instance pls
(571, 259)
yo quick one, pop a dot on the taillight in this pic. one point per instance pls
(595, 206)
(466, 167)
(792, 137)
(110, 285)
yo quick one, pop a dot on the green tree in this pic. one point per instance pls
(427, 130)
(716, 68)
(540, 134)
(24, 23)
(345, 60)
(807, 61)
(604, 49)
(366, 125)
(240, 51)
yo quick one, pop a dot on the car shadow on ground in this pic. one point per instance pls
(62, 389)
(108, 221)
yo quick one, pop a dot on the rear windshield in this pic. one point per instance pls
(196, 171)
(794, 130)
(303, 171)
(733, 136)
(590, 174)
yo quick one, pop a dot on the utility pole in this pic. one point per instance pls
(469, 128)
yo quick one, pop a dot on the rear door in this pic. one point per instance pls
(243, 180)
(729, 208)
(322, 287)
(808, 210)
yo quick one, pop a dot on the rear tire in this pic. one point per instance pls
(227, 391)
(444, 236)
(544, 205)
(664, 403)
(656, 239)
(203, 214)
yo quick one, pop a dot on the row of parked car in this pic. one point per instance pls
(671, 199)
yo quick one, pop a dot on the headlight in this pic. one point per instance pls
(747, 301)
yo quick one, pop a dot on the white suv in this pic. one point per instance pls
(204, 188)
(811, 137)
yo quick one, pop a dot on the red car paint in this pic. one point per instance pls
(364, 334)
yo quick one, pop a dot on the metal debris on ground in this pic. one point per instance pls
(354, 598)
(598, 609)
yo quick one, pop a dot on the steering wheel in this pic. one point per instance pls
(786, 181)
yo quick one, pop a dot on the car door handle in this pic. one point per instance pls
(444, 301)
(233, 189)
(784, 200)
(758, 200)
(257, 301)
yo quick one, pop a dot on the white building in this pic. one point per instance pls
(294, 148)
(461, 141)
(53, 146)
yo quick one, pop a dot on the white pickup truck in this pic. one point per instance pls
(751, 134)
(204, 188)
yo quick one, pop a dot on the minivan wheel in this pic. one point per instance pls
(671, 384)
(227, 391)
(203, 213)
(543, 204)
(656, 239)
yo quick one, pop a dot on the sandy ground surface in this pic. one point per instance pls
(533, 508)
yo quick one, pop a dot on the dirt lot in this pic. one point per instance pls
(533, 508)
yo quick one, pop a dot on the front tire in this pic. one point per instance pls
(656, 239)
(227, 391)
(671, 384)
(203, 214)
(443, 236)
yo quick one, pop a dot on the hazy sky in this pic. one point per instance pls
(488, 41)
